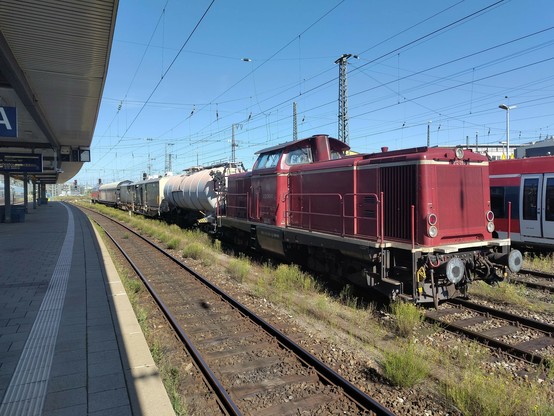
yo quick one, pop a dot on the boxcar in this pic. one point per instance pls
(148, 196)
(109, 193)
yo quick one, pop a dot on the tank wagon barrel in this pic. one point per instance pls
(194, 191)
(195, 195)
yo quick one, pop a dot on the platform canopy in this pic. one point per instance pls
(54, 58)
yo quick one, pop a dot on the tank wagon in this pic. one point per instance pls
(413, 223)
(109, 193)
(192, 198)
(528, 185)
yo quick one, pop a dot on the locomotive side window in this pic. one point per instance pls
(549, 200)
(336, 154)
(530, 195)
(268, 160)
(299, 156)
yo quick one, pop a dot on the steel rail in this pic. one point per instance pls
(531, 323)
(332, 377)
(534, 285)
(211, 378)
(536, 273)
(490, 341)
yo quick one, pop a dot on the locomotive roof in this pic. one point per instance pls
(337, 142)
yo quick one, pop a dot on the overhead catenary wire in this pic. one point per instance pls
(277, 112)
(165, 72)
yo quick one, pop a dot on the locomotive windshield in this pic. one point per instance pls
(268, 160)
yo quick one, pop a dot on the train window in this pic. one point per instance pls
(268, 160)
(549, 200)
(299, 156)
(497, 201)
(500, 196)
(530, 194)
(336, 154)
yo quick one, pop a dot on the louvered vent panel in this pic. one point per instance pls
(398, 184)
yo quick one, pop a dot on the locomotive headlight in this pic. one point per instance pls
(432, 231)
(459, 153)
(432, 219)
(490, 217)
(455, 269)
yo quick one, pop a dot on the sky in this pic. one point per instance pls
(185, 75)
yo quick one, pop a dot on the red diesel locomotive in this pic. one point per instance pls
(413, 223)
(528, 184)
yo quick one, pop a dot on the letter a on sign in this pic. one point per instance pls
(8, 122)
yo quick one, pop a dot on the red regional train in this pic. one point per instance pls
(528, 184)
(413, 223)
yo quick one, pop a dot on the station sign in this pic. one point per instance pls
(8, 122)
(20, 162)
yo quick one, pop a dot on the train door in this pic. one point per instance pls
(548, 206)
(530, 205)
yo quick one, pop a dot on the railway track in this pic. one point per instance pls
(517, 336)
(534, 279)
(251, 367)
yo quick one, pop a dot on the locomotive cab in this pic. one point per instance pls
(269, 179)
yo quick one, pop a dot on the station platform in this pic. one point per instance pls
(70, 343)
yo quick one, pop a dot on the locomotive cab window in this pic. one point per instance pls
(299, 156)
(337, 154)
(267, 160)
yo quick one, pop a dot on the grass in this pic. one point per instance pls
(510, 294)
(239, 268)
(193, 250)
(541, 262)
(407, 317)
(502, 292)
(172, 380)
(405, 367)
(479, 393)
(289, 279)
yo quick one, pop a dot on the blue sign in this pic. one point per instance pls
(8, 122)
